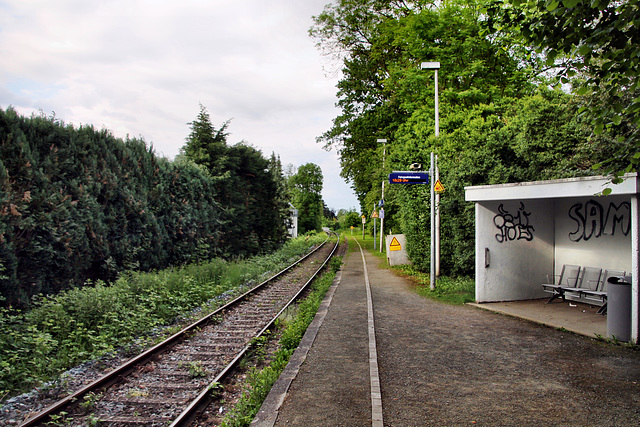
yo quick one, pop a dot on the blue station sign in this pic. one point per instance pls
(408, 177)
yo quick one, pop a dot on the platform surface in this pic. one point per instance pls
(450, 365)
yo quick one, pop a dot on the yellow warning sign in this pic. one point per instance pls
(395, 245)
(438, 187)
(374, 214)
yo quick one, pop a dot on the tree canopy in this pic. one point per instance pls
(595, 47)
(500, 119)
(249, 187)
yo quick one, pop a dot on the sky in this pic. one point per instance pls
(142, 68)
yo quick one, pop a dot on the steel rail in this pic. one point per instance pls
(206, 397)
(126, 368)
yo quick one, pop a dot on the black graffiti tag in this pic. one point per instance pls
(593, 220)
(513, 227)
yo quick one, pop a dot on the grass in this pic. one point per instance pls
(69, 328)
(450, 290)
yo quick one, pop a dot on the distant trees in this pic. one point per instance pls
(305, 188)
(348, 218)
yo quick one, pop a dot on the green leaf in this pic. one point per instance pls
(599, 128)
(584, 49)
(552, 5)
(570, 3)
(582, 90)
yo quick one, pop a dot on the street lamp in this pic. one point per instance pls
(384, 152)
(434, 235)
(434, 66)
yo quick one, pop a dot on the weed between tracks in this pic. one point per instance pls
(294, 324)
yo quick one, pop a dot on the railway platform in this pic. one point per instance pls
(378, 354)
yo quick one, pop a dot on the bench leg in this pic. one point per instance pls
(556, 295)
(603, 309)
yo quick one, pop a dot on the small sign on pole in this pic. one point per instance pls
(438, 187)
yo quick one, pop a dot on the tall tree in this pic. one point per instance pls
(306, 189)
(593, 45)
(249, 188)
(498, 121)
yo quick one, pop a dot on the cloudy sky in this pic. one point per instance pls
(142, 68)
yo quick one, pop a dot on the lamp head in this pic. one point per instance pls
(430, 65)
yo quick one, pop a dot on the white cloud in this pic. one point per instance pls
(142, 67)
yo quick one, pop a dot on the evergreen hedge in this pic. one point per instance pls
(78, 204)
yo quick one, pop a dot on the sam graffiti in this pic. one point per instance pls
(594, 220)
(513, 227)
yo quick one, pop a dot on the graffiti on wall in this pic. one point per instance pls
(513, 227)
(594, 220)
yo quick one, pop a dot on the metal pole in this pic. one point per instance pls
(432, 278)
(437, 177)
(433, 66)
(384, 153)
(374, 233)
(382, 219)
(437, 222)
(437, 106)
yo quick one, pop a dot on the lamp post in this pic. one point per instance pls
(384, 152)
(434, 201)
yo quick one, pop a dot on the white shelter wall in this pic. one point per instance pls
(518, 236)
(594, 232)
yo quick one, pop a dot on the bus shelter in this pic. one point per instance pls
(525, 233)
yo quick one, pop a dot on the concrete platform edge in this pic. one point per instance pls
(268, 413)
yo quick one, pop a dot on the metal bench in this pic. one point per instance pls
(600, 293)
(589, 281)
(568, 278)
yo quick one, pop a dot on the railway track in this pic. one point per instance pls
(173, 381)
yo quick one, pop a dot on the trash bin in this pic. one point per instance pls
(619, 308)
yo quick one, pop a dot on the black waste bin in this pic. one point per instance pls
(619, 308)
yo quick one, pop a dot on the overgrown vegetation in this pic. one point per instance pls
(451, 290)
(503, 117)
(78, 204)
(259, 382)
(448, 289)
(85, 323)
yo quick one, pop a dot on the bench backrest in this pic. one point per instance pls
(590, 278)
(606, 275)
(569, 275)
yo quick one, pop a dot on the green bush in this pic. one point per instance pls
(79, 204)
